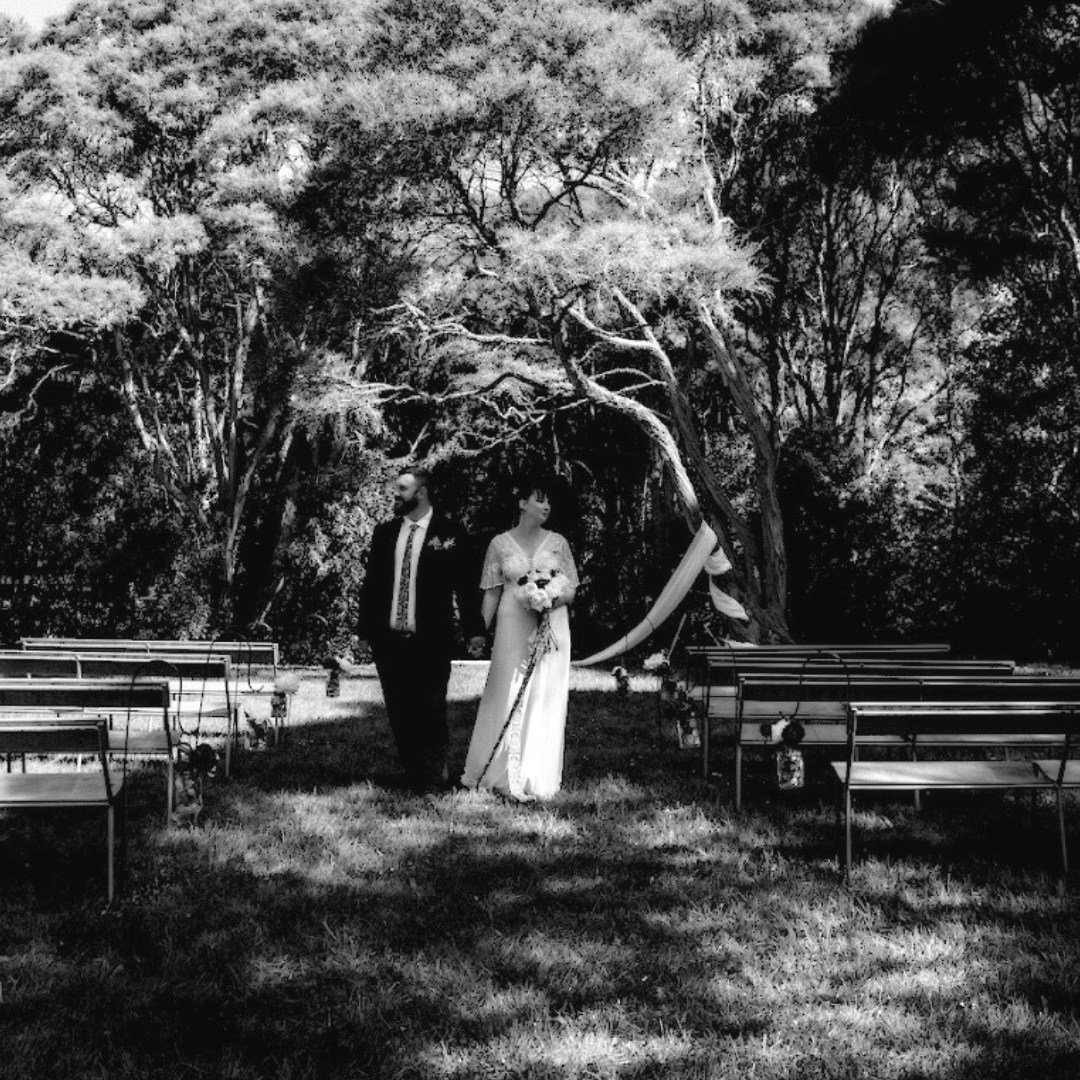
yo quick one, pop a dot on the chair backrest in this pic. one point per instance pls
(977, 718)
(720, 670)
(879, 688)
(72, 663)
(114, 695)
(246, 653)
(981, 718)
(55, 737)
(188, 668)
(37, 665)
(911, 651)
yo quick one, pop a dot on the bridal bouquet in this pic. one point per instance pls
(537, 591)
(540, 588)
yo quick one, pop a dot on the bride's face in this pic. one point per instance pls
(536, 508)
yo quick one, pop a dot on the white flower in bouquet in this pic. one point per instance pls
(517, 567)
(540, 588)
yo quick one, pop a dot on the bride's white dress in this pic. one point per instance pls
(525, 758)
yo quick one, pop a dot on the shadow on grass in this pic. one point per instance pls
(320, 924)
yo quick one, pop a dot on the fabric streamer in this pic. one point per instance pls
(726, 604)
(693, 562)
(715, 565)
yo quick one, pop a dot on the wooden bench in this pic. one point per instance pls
(959, 724)
(700, 657)
(146, 700)
(201, 686)
(821, 703)
(724, 701)
(54, 789)
(45, 716)
(243, 656)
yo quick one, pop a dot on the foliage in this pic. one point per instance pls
(809, 267)
(155, 143)
(993, 112)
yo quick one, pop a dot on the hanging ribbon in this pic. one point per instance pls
(684, 577)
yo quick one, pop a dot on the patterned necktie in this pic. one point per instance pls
(402, 620)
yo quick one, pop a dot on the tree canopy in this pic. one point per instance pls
(810, 266)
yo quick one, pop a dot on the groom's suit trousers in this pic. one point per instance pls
(414, 679)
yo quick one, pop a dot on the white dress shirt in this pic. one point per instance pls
(399, 555)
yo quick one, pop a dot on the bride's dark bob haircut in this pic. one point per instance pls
(541, 484)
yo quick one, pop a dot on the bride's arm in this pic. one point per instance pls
(565, 598)
(489, 604)
(570, 590)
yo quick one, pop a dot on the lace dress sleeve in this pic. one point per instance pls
(566, 557)
(492, 574)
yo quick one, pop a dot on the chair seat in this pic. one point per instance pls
(56, 789)
(803, 711)
(138, 742)
(817, 735)
(1018, 738)
(1050, 769)
(915, 775)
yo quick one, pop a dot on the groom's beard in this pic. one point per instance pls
(405, 506)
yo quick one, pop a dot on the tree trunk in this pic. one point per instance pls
(766, 610)
(769, 592)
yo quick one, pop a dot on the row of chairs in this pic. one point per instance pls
(105, 701)
(915, 698)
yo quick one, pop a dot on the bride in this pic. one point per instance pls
(521, 755)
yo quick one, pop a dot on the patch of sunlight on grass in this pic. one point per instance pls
(608, 794)
(559, 1050)
(31, 965)
(674, 827)
(542, 825)
(273, 972)
(927, 984)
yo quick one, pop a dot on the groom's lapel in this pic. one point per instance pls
(391, 534)
(432, 532)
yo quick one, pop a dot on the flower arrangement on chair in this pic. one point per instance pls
(622, 680)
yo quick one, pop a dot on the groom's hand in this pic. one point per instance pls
(477, 644)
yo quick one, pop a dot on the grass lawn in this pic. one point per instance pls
(321, 924)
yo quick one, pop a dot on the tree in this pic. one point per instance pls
(991, 99)
(541, 160)
(163, 143)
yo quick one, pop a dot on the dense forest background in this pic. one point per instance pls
(808, 270)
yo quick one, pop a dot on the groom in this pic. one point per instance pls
(417, 564)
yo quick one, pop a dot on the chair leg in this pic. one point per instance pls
(1061, 833)
(110, 829)
(706, 743)
(916, 794)
(738, 774)
(228, 746)
(847, 835)
(170, 788)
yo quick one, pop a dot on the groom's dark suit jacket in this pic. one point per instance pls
(445, 569)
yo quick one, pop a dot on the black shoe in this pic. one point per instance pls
(433, 785)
